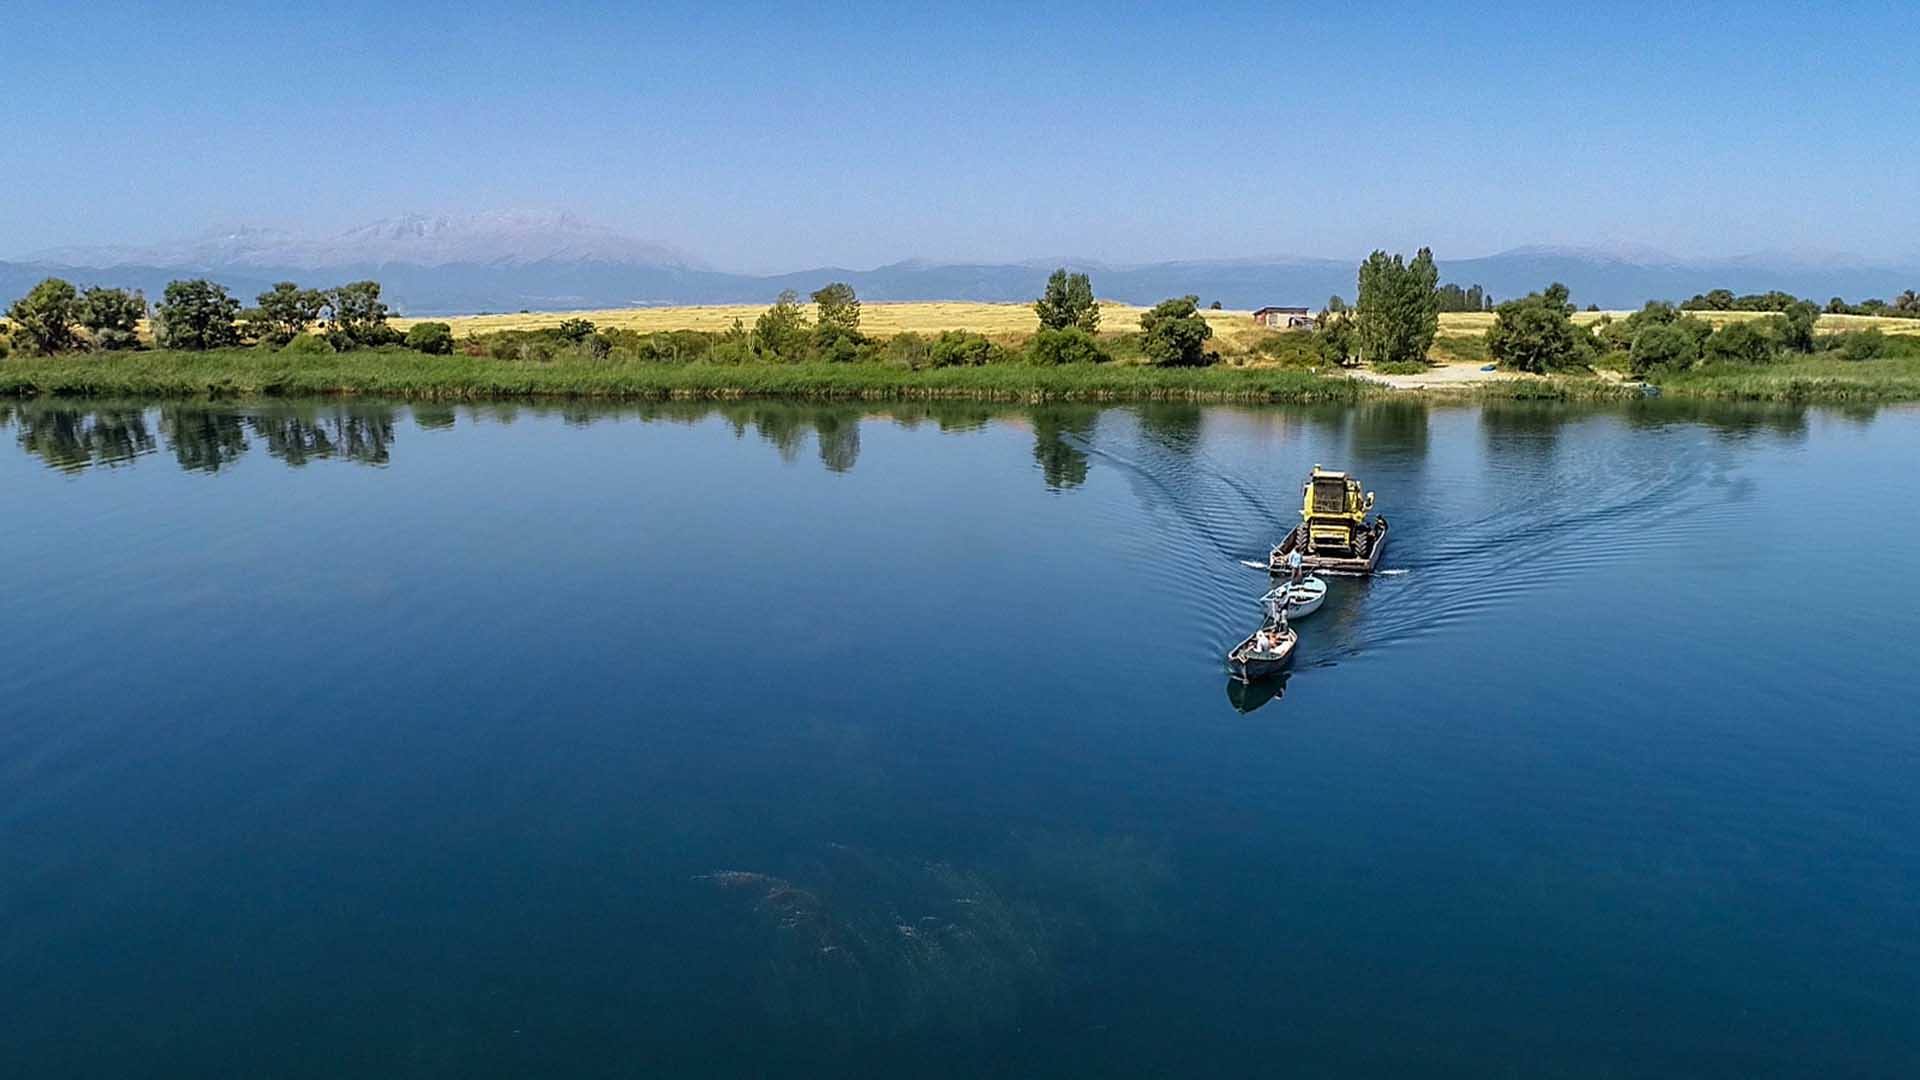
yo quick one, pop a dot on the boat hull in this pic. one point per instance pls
(1328, 564)
(1247, 664)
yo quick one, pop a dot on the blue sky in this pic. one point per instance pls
(765, 138)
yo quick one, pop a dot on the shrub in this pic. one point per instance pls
(112, 317)
(308, 345)
(1068, 345)
(782, 331)
(1856, 345)
(1292, 347)
(1174, 334)
(908, 350)
(1535, 333)
(432, 338)
(1739, 343)
(575, 330)
(1663, 345)
(196, 315)
(44, 320)
(963, 348)
(356, 316)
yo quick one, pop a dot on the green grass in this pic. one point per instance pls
(399, 373)
(1810, 379)
(1460, 349)
(404, 374)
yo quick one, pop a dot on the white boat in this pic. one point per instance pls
(1301, 600)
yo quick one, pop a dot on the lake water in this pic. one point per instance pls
(767, 739)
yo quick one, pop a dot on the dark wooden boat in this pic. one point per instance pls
(1266, 652)
(1361, 558)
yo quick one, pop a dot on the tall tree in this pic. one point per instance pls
(1068, 301)
(1397, 314)
(836, 327)
(44, 320)
(196, 315)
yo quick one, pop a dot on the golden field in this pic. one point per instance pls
(1231, 328)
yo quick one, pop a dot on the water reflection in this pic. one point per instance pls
(208, 437)
(1061, 434)
(74, 439)
(1248, 696)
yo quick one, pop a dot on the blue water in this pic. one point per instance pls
(355, 739)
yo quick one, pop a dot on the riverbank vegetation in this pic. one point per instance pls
(1069, 346)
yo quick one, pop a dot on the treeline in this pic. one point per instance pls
(1904, 306)
(197, 315)
(1393, 325)
(1537, 333)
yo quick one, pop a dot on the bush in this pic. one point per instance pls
(1739, 343)
(196, 315)
(308, 345)
(1663, 345)
(1293, 348)
(1856, 345)
(1174, 334)
(1535, 333)
(432, 338)
(44, 321)
(112, 317)
(963, 348)
(908, 350)
(1067, 345)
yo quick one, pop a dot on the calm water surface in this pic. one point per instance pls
(761, 739)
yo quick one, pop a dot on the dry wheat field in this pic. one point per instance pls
(882, 319)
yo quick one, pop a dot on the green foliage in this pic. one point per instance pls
(45, 320)
(112, 317)
(1793, 328)
(575, 330)
(307, 345)
(1857, 345)
(1535, 333)
(1462, 348)
(1397, 315)
(1068, 301)
(1664, 345)
(1455, 298)
(1067, 345)
(782, 332)
(432, 338)
(1739, 343)
(1175, 334)
(356, 317)
(963, 348)
(196, 315)
(284, 313)
(1333, 336)
(837, 310)
(1288, 347)
(908, 350)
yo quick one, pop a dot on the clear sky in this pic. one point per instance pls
(765, 138)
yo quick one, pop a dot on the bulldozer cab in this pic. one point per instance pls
(1335, 512)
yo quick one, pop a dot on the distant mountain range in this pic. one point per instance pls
(509, 261)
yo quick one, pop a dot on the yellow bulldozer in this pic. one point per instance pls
(1334, 535)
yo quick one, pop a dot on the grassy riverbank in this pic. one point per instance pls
(400, 373)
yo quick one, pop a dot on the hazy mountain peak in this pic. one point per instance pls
(494, 237)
